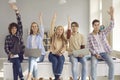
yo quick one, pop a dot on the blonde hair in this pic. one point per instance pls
(54, 36)
(31, 31)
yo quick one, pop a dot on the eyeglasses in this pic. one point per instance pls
(74, 26)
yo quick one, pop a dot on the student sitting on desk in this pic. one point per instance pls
(14, 45)
(35, 41)
(99, 47)
(57, 48)
(76, 42)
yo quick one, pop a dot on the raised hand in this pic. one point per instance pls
(40, 18)
(111, 12)
(53, 24)
(13, 6)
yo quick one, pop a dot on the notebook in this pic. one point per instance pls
(32, 52)
(76, 53)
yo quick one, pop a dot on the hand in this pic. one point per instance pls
(13, 6)
(11, 55)
(59, 54)
(97, 56)
(81, 55)
(111, 12)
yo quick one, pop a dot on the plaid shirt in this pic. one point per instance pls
(93, 44)
(9, 43)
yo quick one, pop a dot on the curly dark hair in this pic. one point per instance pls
(11, 25)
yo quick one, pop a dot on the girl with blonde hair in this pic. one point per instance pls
(57, 48)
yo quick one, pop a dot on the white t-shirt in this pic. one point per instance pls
(34, 45)
(99, 43)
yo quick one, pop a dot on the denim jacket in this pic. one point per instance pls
(39, 40)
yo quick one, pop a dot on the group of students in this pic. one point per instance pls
(97, 44)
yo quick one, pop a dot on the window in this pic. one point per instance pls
(116, 30)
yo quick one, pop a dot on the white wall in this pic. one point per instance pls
(116, 31)
(106, 17)
(78, 10)
(94, 12)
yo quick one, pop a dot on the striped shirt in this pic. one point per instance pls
(93, 44)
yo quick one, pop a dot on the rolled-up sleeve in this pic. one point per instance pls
(42, 31)
(109, 28)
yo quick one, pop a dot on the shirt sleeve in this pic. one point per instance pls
(68, 33)
(90, 45)
(20, 26)
(42, 31)
(83, 40)
(109, 28)
(28, 42)
(6, 45)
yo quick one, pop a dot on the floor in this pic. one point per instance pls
(3, 60)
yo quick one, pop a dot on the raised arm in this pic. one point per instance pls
(111, 13)
(52, 25)
(69, 23)
(20, 26)
(69, 28)
(111, 25)
(41, 26)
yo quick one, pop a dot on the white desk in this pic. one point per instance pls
(45, 69)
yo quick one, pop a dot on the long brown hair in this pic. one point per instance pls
(54, 36)
(31, 31)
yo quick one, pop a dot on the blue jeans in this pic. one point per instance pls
(57, 63)
(17, 69)
(33, 65)
(74, 61)
(107, 58)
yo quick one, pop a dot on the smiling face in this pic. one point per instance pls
(74, 26)
(13, 30)
(96, 25)
(34, 28)
(59, 30)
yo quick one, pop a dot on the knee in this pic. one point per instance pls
(74, 68)
(84, 62)
(111, 65)
(62, 60)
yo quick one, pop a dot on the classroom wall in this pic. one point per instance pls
(78, 10)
